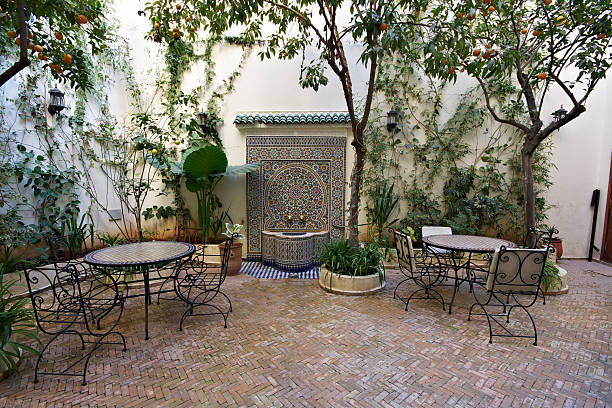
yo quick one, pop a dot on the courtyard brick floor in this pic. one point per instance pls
(290, 344)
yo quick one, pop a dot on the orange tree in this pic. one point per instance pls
(325, 26)
(531, 46)
(49, 31)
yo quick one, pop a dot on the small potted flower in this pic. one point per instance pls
(235, 258)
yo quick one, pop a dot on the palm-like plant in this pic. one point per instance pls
(383, 203)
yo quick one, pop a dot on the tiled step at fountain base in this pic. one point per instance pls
(261, 271)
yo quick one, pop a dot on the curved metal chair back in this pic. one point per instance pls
(537, 238)
(405, 252)
(517, 272)
(67, 247)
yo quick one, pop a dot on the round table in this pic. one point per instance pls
(141, 255)
(470, 244)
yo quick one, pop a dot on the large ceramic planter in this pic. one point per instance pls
(235, 257)
(560, 289)
(349, 285)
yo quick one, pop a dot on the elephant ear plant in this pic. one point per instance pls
(203, 168)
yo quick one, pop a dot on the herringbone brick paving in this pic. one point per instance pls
(289, 344)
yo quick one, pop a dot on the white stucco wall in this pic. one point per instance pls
(582, 149)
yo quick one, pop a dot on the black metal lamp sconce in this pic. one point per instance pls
(202, 121)
(391, 120)
(56, 102)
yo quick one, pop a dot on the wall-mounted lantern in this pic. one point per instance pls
(391, 119)
(559, 113)
(56, 101)
(203, 120)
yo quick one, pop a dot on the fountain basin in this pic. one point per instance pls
(292, 251)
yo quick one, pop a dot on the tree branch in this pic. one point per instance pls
(492, 111)
(23, 60)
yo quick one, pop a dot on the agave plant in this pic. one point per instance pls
(383, 203)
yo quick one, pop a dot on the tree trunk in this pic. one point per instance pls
(528, 188)
(360, 158)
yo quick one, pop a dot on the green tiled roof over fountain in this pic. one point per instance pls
(297, 118)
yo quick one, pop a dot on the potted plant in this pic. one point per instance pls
(553, 280)
(557, 243)
(351, 270)
(203, 168)
(16, 320)
(235, 257)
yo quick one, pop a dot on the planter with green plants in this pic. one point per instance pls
(351, 270)
(235, 257)
(16, 324)
(203, 167)
(554, 280)
(383, 203)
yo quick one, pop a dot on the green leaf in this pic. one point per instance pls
(202, 161)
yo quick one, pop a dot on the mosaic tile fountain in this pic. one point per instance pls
(296, 199)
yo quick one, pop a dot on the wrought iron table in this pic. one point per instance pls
(143, 256)
(470, 244)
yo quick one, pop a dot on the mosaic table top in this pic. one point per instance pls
(467, 243)
(140, 253)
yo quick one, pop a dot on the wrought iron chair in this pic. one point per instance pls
(65, 248)
(427, 230)
(540, 238)
(198, 283)
(70, 300)
(513, 283)
(427, 270)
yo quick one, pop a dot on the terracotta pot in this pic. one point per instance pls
(558, 244)
(235, 257)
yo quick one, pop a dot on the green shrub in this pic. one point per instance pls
(550, 277)
(341, 258)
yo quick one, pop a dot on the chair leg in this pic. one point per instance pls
(398, 285)
(228, 299)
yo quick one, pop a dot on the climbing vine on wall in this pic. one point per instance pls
(450, 164)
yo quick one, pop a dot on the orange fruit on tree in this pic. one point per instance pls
(491, 8)
(177, 142)
(59, 36)
(42, 57)
(547, 2)
(81, 19)
(154, 151)
(536, 32)
(156, 25)
(38, 48)
(383, 26)
(11, 34)
(489, 45)
(542, 76)
(459, 14)
(18, 41)
(187, 18)
(445, 61)
(487, 54)
(30, 35)
(67, 59)
(524, 31)
(192, 29)
(486, 1)
(30, 46)
(451, 70)
(601, 36)
(176, 34)
(476, 52)
(462, 69)
(178, 7)
(175, 29)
